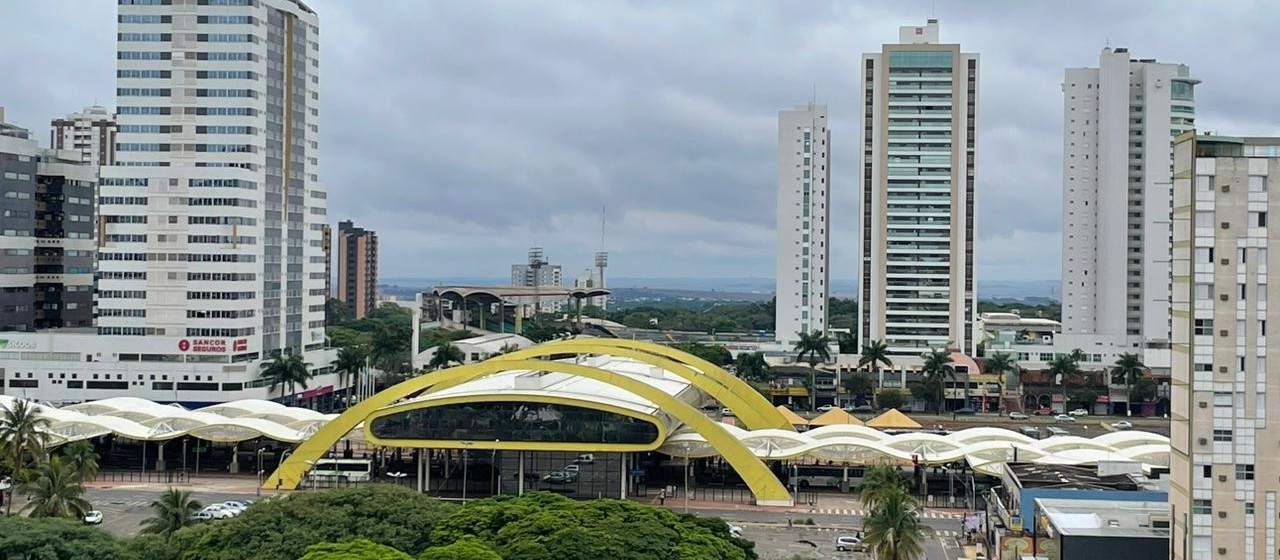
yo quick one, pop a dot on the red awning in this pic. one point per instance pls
(312, 393)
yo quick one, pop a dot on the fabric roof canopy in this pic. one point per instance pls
(792, 417)
(892, 419)
(835, 416)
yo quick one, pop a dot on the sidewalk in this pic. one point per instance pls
(824, 505)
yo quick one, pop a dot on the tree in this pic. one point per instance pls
(1144, 389)
(935, 373)
(1063, 365)
(752, 366)
(814, 345)
(878, 482)
(26, 538)
(359, 549)
(890, 398)
(1127, 370)
(286, 371)
(351, 360)
(466, 548)
(543, 330)
(1001, 364)
(446, 353)
(875, 353)
(24, 432)
(170, 512)
(82, 459)
(714, 353)
(336, 312)
(56, 491)
(847, 343)
(893, 530)
(859, 384)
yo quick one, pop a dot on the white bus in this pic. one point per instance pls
(353, 470)
(813, 476)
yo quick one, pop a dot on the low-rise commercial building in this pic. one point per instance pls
(1099, 529)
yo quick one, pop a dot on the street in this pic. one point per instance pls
(775, 540)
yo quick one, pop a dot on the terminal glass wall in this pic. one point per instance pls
(514, 421)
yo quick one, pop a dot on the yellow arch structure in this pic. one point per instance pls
(750, 398)
(763, 484)
(755, 413)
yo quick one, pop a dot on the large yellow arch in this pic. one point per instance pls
(755, 413)
(742, 392)
(763, 484)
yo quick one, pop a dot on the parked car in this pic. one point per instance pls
(94, 517)
(1079, 412)
(735, 531)
(848, 543)
(573, 468)
(826, 407)
(233, 507)
(1030, 431)
(1123, 425)
(966, 411)
(241, 504)
(1057, 431)
(201, 516)
(561, 477)
(585, 459)
(726, 412)
(1064, 419)
(1046, 411)
(217, 511)
(1018, 416)
(863, 408)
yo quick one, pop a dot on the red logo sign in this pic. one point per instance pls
(203, 345)
(240, 345)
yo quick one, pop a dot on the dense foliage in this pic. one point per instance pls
(359, 549)
(713, 353)
(61, 539)
(1048, 310)
(712, 317)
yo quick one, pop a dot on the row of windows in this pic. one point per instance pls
(123, 182)
(227, 75)
(246, 331)
(143, 55)
(225, 130)
(122, 294)
(222, 220)
(220, 314)
(222, 295)
(220, 92)
(221, 276)
(225, 183)
(150, 128)
(126, 238)
(123, 219)
(226, 19)
(223, 239)
(158, 147)
(177, 257)
(145, 37)
(238, 56)
(243, 202)
(121, 275)
(144, 74)
(128, 110)
(225, 38)
(144, 18)
(122, 312)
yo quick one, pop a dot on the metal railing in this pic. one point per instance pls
(138, 475)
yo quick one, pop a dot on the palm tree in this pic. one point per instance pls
(1001, 363)
(83, 459)
(287, 370)
(351, 360)
(876, 352)
(751, 366)
(171, 512)
(877, 482)
(24, 434)
(814, 345)
(56, 491)
(1127, 370)
(1062, 366)
(893, 530)
(446, 353)
(937, 369)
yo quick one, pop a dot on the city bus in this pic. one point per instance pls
(353, 470)
(815, 476)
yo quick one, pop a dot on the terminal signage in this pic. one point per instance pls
(203, 345)
(9, 344)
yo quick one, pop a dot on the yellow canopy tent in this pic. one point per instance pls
(835, 416)
(893, 420)
(792, 417)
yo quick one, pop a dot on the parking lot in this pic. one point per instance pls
(124, 508)
(776, 542)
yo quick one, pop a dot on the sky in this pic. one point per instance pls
(464, 132)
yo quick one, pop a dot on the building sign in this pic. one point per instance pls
(203, 345)
(240, 345)
(9, 344)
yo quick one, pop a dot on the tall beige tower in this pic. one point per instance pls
(1226, 469)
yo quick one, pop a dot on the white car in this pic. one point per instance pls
(585, 459)
(735, 531)
(1064, 419)
(242, 505)
(1017, 416)
(233, 507)
(93, 517)
(1123, 425)
(571, 468)
(201, 516)
(848, 542)
(826, 408)
(218, 511)
(1079, 412)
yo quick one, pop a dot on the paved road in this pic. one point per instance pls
(124, 507)
(774, 539)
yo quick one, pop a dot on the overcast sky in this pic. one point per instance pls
(465, 131)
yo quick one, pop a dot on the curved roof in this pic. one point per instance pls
(494, 294)
(144, 420)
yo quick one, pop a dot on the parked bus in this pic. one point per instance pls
(813, 476)
(353, 470)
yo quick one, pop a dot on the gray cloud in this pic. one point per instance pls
(465, 131)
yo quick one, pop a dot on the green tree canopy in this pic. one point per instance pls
(55, 491)
(714, 353)
(25, 538)
(359, 549)
(170, 512)
(890, 398)
(465, 548)
(287, 371)
(752, 366)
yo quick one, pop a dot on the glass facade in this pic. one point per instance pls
(920, 59)
(515, 421)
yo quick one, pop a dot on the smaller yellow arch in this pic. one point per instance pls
(740, 389)
(763, 484)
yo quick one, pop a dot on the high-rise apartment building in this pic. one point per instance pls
(1224, 486)
(804, 174)
(210, 256)
(537, 272)
(919, 136)
(326, 241)
(91, 132)
(357, 268)
(46, 235)
(1119, 120)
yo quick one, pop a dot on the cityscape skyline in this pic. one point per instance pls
(658, 221)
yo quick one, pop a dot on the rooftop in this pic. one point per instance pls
(1030, 475)
(1105, 518)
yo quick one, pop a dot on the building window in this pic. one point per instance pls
(1244, 472)
(1202, 506)
(1222, 435)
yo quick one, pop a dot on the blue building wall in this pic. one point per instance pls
(1028, 497)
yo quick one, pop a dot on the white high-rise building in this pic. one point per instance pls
(211, 254)
(919, 136)
(1224, 489)
(1119, 120)
(91, 132)
(804, 175)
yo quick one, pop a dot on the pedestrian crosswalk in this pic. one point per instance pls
(936, 532)
(128, 504)
(926, 514)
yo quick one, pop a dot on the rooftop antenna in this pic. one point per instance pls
(602, 257)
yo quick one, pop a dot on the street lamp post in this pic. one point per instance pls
(258, 491)
(466, 445)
